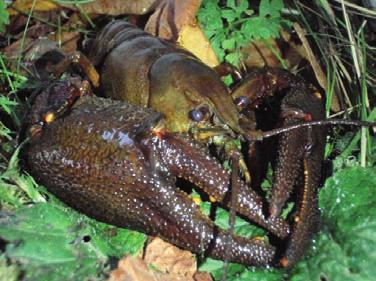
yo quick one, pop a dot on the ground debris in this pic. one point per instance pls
(161, 261)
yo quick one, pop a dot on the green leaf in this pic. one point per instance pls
(5, 132)
(237, 272)
(327, 260)
(231, 4)
(4, 16)
(22, 180)
(228, 44)
(232, 58)
(52, 242)
(209, 16)
(271, 8)
(229, 15)
(216, 43)
(261, 28)
(242, 7)
(346, 248)
(10, 196)
(6, 104)
(260, 275)
(239, 7)
(8, 272)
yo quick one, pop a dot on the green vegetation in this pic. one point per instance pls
(4, 17)
(234, 26)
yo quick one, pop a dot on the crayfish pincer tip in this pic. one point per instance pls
(284, 262)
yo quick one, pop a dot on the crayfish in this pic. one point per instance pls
(114, 162)
(118, 162)
(151, 72)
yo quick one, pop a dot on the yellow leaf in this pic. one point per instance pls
(194, 40)
(25, 6)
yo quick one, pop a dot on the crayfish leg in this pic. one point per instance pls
(299, 165)
(186, 159)
(307, 215)
(298, 105)
(263, 83)
(83, 62)
(177, 219)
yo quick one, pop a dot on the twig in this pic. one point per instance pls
(231, 220)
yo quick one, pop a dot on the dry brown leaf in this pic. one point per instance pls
(135, 269)
(170, 259)
(119, 7)
(25, 6)
(162, 261)
(258, 54)
(194, 40)
(170, 16)
(202, 276)
(319, 73)
(69, 36)
(295, 52)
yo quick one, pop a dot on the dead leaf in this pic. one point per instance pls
(295, 52)
(119, 7)
(202, 276)
(319, 73)
(162, 261)
(259, 54)
(69, 36)
(170, 16)
(135, 269)
(25, 6)
(192, 38)
(170, 259)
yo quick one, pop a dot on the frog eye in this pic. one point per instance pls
(242, 102)
(198, 114)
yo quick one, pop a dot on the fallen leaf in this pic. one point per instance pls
(119, 7)
(32, 49)
(132, 269)
(170, 16)
(319, 73)
(192, 38)
(69, 35)
(168, 258)
(162, 262)
(136, 269)
(202, 276)
(259, 54)
(294, 53)
(26, 5)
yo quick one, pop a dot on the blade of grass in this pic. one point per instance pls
(6, 73)
(346, 153)
(24, 36)
(364, 10)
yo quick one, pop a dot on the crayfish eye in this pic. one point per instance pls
(198, 114)
(242, 102)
